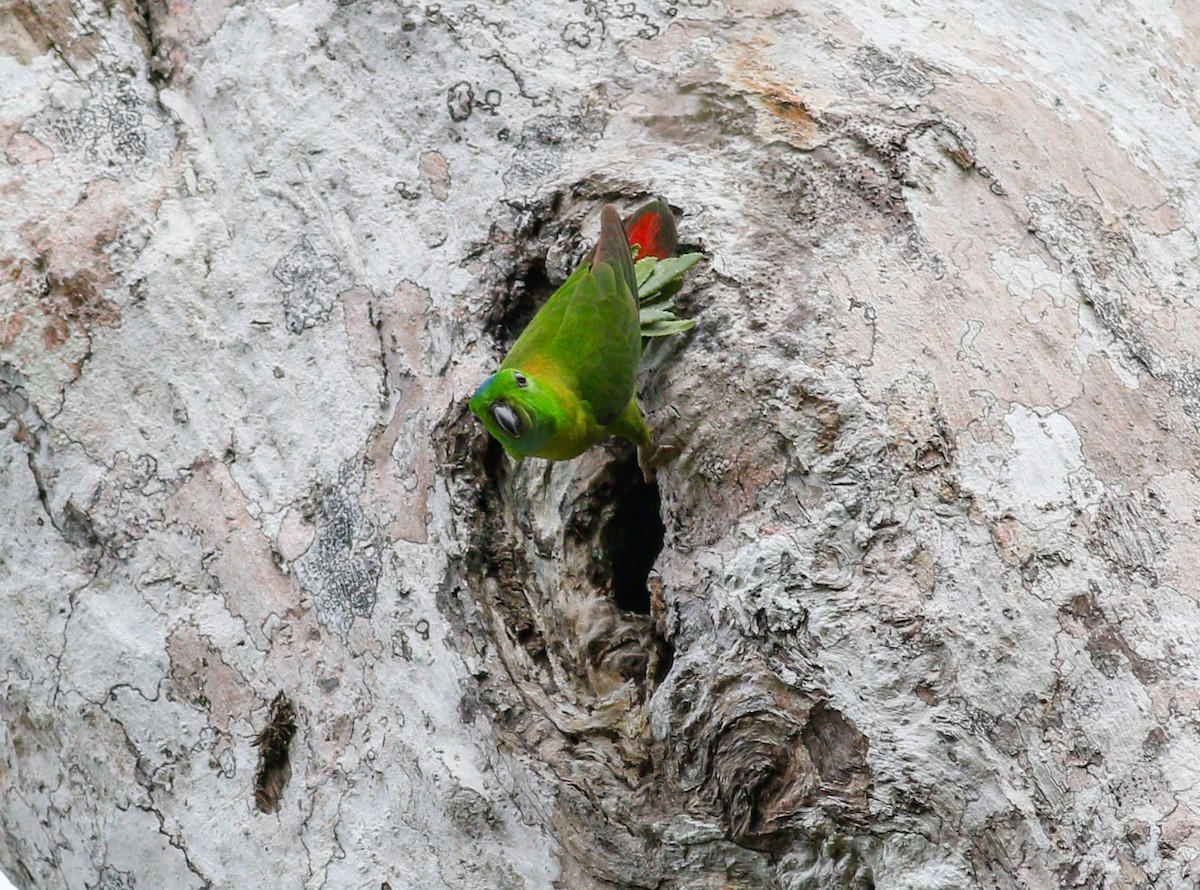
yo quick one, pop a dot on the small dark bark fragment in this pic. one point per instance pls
(273, 743)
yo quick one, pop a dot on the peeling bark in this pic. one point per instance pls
(914, 607)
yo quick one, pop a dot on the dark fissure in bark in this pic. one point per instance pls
(274, 765)
(528, 288)
(521, 284)
(632, 538)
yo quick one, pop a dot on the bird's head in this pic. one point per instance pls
(514, 408)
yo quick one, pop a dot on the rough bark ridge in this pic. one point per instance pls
(922, 609)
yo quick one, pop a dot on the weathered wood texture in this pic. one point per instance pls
(926, 612)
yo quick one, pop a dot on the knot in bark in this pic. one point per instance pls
(769, 758)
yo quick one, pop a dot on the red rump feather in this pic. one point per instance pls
(652, 229)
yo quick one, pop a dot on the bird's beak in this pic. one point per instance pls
(507, 417)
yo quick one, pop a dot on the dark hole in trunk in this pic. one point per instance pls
(527, 291)
(632, 538)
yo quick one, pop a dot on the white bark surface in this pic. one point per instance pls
(927, 611)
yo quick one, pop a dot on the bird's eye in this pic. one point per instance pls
(520, 379)
(507, 419)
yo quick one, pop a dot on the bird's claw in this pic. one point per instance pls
(652, 457)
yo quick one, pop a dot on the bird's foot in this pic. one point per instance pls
(652, 457)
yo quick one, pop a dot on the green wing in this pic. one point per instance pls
(601, 343)
(539, 335)
(589, 330)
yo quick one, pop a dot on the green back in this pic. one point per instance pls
(588, 333)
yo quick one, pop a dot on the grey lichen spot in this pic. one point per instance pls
(113, 879)
(649, 30)
(402, 189)
(311, 283)
(342, 566)
(544, 142)
(578, 35)
(224, 764)
(77, 527)
(538, 154)
(472, 812)
(460, 99)
(114, 128)
(889, 74)
(469, 704)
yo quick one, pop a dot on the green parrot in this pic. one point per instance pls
(570, 380)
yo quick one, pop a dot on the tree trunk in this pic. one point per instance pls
(916, 607)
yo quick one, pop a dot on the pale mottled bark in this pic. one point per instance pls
(926, 612)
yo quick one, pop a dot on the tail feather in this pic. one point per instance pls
(652, 229)
(613, 248)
